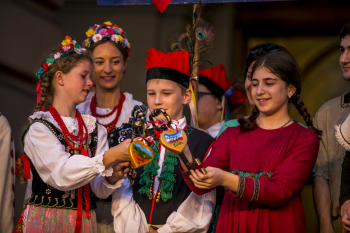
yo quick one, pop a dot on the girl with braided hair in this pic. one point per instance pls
(67, 154)
(264, 162)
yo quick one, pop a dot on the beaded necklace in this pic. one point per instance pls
(110, 126)
(80, 137)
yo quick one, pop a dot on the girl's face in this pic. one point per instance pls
(77, 82)
(270, 93)
(248, 84)
(167, 94)
(109, 66)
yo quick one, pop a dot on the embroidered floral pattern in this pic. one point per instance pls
(260, 175)
(256, 177)
(53, 220)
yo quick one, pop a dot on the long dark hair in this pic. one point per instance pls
(258, 51)
(286, 68)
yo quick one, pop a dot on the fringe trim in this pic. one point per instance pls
(149, 171)
(340, 138)
(20, 168)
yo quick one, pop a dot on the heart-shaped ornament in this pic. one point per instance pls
(140, 153)
(173, 140)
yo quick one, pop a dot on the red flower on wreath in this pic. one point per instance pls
(128, 52)
(45, 66)
(110, 31)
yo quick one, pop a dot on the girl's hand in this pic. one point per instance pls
(121, 151)
(119, 169)
(213, 178)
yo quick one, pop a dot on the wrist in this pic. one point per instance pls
(112, 179)
(230, 181)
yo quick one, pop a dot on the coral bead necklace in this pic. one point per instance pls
(110, 126)
(80, 137)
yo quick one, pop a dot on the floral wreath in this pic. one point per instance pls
(106, 32)
(68, 46)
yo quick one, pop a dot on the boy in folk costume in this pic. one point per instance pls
(216, 99)
(159, 201)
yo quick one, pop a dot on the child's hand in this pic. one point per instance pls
(119, 169)
(213, 178)
(121, 151)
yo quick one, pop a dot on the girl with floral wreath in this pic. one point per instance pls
(66, 153)
(110, 50)
(265, 162)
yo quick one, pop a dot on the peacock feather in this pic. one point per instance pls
(197, 40)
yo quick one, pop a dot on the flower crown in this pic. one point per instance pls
(68, 46)
(106, 32)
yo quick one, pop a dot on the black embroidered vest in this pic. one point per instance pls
(46, 196)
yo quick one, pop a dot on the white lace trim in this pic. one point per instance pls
(116, 185)
(71, 123)
(340, 138)
(107, 173)
(97, 164)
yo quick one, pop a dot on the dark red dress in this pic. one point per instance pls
(273, 166)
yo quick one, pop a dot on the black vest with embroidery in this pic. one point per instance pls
(118, 135)
(198, 142)
(46, 196)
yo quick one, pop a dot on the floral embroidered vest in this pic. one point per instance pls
(46, 196)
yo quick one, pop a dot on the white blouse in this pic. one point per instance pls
(193, 215)
(57, 167)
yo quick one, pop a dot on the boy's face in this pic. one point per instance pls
(166, 94)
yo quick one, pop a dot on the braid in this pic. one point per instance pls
(44, 90)
(299, 105)
(63, 64)
(248, 124)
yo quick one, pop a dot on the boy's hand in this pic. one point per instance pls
(119, 169)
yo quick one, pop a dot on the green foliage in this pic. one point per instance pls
(141, 153)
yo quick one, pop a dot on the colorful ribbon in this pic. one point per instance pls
(80, 202)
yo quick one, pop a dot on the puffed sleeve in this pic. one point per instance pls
(99, 185)
(57, 167)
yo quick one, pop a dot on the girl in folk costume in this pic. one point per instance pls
(66, 152)
(159, 200)
(264, 163)
(110, 51)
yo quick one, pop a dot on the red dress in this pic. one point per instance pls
(273, 166)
